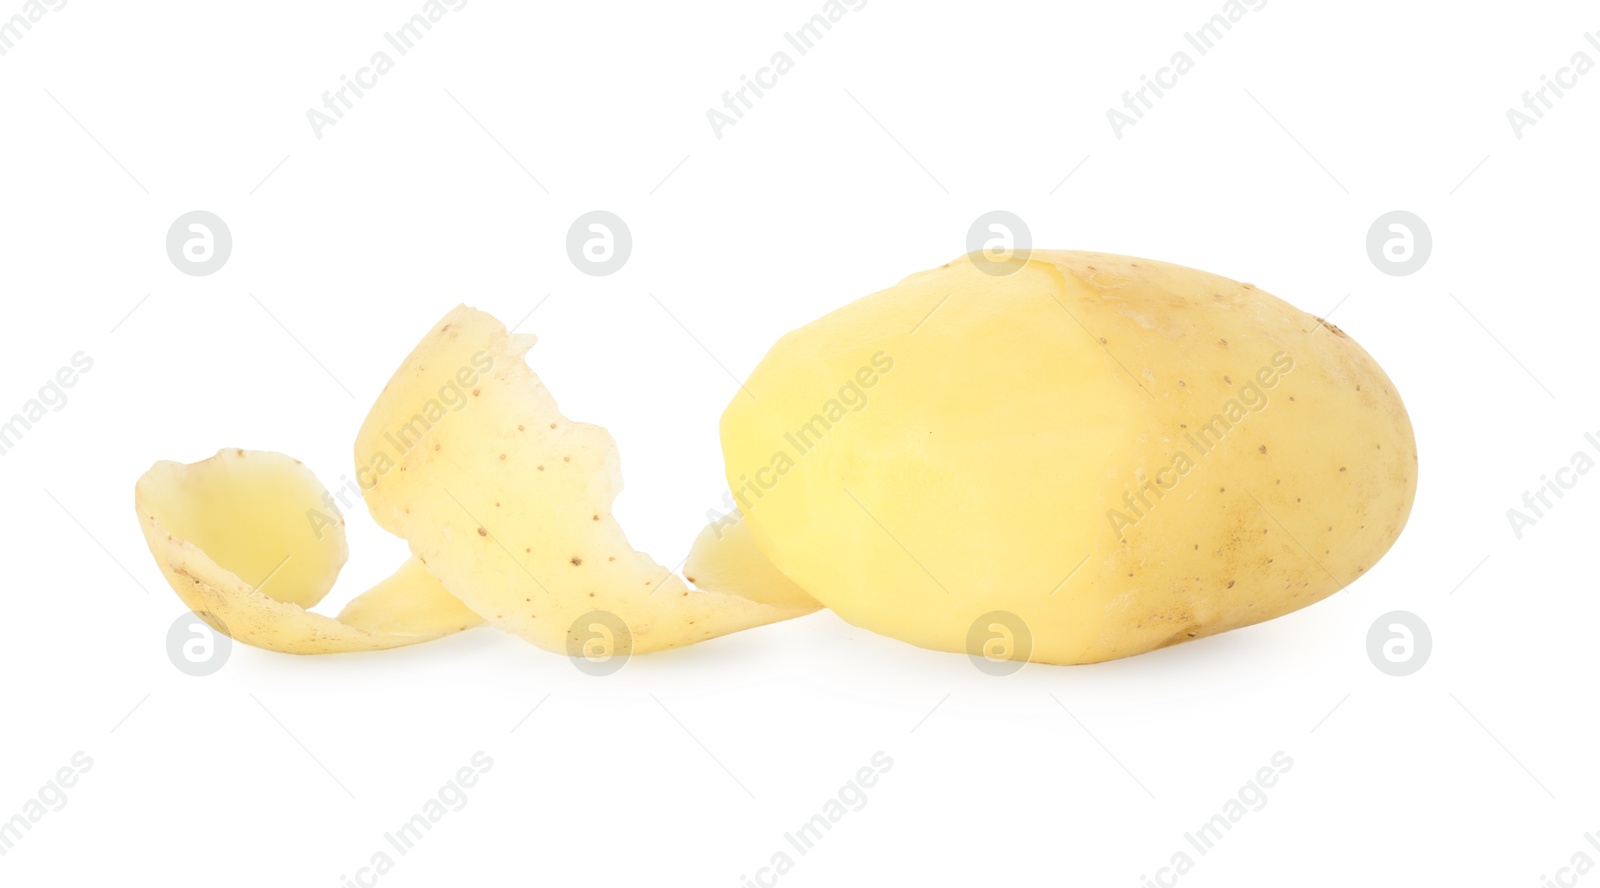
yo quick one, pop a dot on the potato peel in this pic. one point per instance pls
(466, 456)
(725, 558)
(241, 514)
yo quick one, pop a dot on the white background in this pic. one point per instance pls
(869, 160)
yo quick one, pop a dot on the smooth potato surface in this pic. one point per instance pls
(1116, 453)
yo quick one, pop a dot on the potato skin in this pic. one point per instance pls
(1114, 453)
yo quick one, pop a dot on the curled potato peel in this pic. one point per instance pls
(244, 537)
(725, 558)
(466, 456)
(230, 535)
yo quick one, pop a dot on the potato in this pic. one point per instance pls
(232, 536)
(1069, 458)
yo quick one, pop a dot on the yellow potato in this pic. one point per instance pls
(1081, 458)
(508, 503)
(233, 538)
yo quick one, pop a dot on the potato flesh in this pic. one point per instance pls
(982, 470)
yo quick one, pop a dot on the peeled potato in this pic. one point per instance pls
(1100, 455)
(233, 538)
(508, 503)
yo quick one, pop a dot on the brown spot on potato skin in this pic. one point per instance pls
(576, 561)
(483, 532)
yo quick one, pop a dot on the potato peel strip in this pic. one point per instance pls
(247, 507)
(504, 502)
(508, 502)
